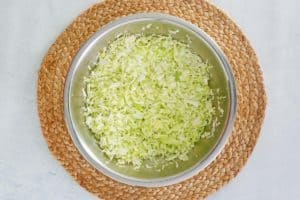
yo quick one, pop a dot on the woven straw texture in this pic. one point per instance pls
(250, 88)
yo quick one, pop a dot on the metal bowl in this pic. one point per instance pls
(204, 152)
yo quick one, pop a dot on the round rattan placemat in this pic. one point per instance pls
(248, 76)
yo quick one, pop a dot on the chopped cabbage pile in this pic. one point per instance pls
(148, 98)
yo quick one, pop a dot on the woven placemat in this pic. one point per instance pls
(248, 76)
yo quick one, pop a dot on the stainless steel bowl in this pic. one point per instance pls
(204, 152)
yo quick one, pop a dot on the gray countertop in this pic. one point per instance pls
(29, 171)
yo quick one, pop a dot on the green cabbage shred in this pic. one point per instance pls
(147, 98)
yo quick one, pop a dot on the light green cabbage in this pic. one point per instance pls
(147, 98)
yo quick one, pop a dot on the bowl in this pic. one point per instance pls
(204, 152)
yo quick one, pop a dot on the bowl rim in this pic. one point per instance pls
(186, 174)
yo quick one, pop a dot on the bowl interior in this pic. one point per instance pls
(88, 54)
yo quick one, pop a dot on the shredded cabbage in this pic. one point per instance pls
(148, 98)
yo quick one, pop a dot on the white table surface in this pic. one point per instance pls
(29, 171)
